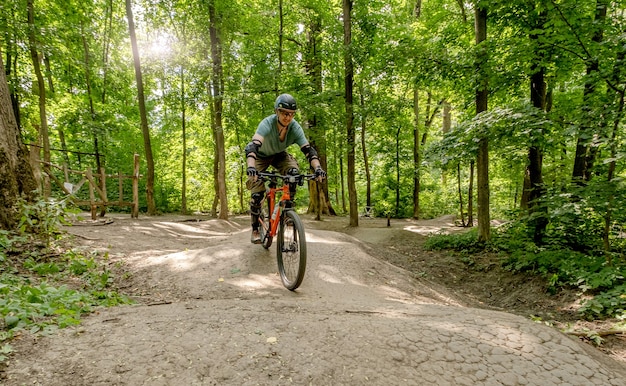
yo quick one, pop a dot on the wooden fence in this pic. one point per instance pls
(98, 187)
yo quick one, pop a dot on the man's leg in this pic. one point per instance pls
(257, 189)
(255, 212)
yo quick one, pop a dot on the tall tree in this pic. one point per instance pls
(142, 112)
(616, 91)
(416, 154)
(44, 135)
(585, 152)
(183, 117)
(16, 175)
(482, 161)
(217, 88)
(366, 161)
(92, 110)
(348, 84)
(319, 197)
(535, 152)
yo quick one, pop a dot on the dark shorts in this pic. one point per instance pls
(282, 162)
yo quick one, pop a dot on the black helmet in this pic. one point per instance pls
(285, 101)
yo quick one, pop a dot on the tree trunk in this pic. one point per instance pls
(92, 110)
(585, 153)
(16, 175)
(539, 220)
(280, 46)
(446, 126)
(460, 192)
(349, 81)
(482, 161)
(417, 11)
(142, 112)
(398, 131)
(10, 68)
(416, 155)
(321, 202)
(343, 185)
(417, 8)
(608, 216)
(470, 197)
(613, 144)
(107, 44)
(41, 91)
(366, 163)
(183, 188)
(218, 90)
(430, 116)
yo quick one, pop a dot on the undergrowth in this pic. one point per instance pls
(595, 275)
(45, 285)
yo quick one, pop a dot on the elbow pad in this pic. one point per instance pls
(310, 153)
(252, 148)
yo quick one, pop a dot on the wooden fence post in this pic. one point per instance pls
(92, 203)
(135, 207)
(103, 187)
(120, 187)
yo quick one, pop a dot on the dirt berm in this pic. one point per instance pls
(211, 310)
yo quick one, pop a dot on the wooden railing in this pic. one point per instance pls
(98, 191)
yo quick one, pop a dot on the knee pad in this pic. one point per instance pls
(255, 203)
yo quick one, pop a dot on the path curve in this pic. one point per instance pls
(211, 311)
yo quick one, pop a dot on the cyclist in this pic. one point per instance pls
(268, 147)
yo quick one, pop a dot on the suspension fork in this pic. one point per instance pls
(273, 208)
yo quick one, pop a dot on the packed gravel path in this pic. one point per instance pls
(211, 311)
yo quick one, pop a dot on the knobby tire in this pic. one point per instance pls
(291, 250)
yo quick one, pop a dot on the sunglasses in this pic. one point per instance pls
(286, 113)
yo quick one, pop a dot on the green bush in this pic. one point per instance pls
(466, 242)
(560, 265)
(611, 303)
(35, 279)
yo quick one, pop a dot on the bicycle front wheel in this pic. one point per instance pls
(291, 250)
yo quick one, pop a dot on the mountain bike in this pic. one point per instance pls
(278, 217)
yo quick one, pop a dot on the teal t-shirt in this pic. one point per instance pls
(271, 142)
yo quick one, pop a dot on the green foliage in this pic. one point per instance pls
(42, 219)
(560, 266)
(43, 302)
(563, 267)
(46, 287)
(611, 303)
(466, 242)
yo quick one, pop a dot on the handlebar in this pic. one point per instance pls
(286, 179)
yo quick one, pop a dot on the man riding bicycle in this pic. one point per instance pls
(268, 147)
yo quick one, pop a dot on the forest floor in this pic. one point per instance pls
(374, 307)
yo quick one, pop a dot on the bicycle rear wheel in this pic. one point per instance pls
(291, 250)
(264, 229)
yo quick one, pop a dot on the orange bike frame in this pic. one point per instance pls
(271, 196)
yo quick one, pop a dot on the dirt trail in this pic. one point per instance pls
(212, 311)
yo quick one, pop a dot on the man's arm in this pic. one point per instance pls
(314, 161)
(252, 150)
(311, 155)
